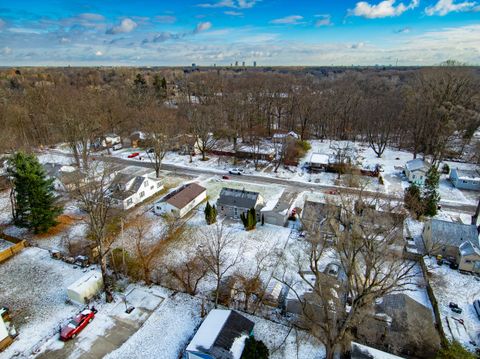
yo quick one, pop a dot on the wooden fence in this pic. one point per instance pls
(19, 244)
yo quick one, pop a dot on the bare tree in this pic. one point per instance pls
(92, 192)
(364, 248)
(189, 274)
(215, 250)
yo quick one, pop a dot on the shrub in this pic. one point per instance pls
(255, 349)
(446, 168)
(453, 350)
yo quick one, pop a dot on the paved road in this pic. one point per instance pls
(296, 185)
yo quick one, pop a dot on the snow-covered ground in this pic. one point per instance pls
(451, 286)
(33, 286)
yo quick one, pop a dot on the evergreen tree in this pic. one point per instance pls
(453, 350)
(431, 196)
(255, 349)
(249, 219)
(413, 200)
(210, 214)
(160, 86)
(32, 194)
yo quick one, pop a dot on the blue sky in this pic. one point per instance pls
(270, 32)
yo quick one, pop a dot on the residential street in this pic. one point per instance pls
(291, 184)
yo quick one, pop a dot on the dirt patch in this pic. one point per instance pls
(65, 221)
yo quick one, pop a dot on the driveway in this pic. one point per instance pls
(109, 330)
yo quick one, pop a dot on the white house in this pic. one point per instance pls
(318, 162)
(110, 139)
(5, 339)
(416, 171)
(133, 185)
(281, 136)
(182, 200)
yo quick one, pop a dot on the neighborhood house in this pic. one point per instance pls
(221, 336)
(65, 178)
(233, 202)
(465, 179)
(416, 171)
(133, 185)
(455, 241)
(182, 200)
(318, 162)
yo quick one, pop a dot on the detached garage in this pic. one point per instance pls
(86, 287)
(182, 200)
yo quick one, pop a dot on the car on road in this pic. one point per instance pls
(236, 171)
(225, 177)
(117, 147)
(134, 154)
(77, 324)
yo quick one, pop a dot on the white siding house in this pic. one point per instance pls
(416, 171)
(133, 185)
(182, 200)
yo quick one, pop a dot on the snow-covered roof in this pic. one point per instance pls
(467, 174)
(222, 330)
(416, 165)
(468, 248)
(360, 351)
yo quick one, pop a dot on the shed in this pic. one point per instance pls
(318, 162)
(86, 287)
(221, 336)
(465, 179)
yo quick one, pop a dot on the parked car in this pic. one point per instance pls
(150, 150)
(77, 324)
(117, 146)
(133, 155)
(476, 306)
(457, 310)
(236, 171)
(82, 261)
(225, 177)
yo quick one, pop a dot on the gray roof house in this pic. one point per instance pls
(465, 179)
(468, 258)
(222, 335)
(233, 202)
(416, 171)
(65, 177)
(133, 185)
(445, 238)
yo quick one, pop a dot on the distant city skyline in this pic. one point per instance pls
(224, 32)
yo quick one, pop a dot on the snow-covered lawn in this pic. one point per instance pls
(33, 286)
(451, 286)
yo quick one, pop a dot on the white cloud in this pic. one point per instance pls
(98, 53)
(443, 7)
(91, 17)
(165, 19)
(6, 51)
(202, 26)
(288, 20)
(233, 13)
(236, 4)
(386, 8)
(126, 25)
(323, 20)
(2, 23)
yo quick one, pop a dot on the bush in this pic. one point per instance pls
(446, 168)
(249, 219)
(380, 181)
(255, 349)
(304, 145)
(454, 350)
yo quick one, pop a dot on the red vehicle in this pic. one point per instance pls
(134, 154)
(77, 324)
(225, 177)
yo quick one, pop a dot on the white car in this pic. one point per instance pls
(236, 171)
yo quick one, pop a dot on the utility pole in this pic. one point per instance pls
(123, 246)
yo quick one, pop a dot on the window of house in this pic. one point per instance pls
(129, 201)
(235, 211)
(468, 261)
(146, 183)
(142, 194)
(413, 176)
(159, 184)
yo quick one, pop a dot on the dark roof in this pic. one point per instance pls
(235, 326)
(453, 233)
(237, 198)
(185, 195)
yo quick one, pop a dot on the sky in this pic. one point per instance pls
(221, 32)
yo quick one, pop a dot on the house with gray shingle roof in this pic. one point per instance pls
(233, 202)
(133, 185)
(446, 238)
